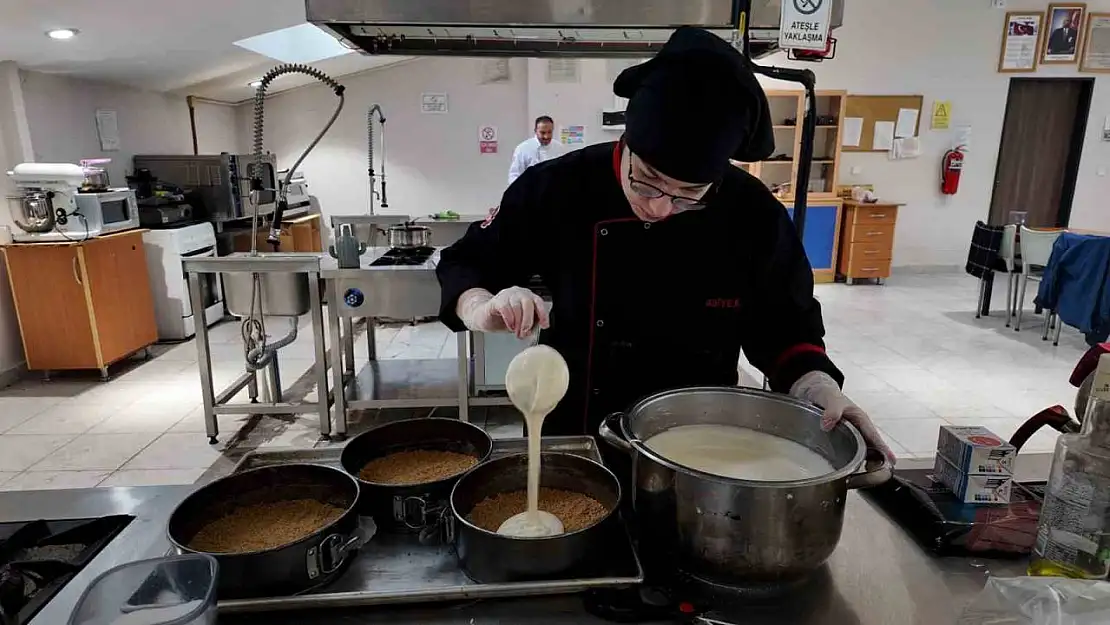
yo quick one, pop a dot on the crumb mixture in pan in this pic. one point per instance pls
(576, 510)
(264, 526)
(417, 466)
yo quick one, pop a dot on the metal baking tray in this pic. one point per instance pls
(396, 568)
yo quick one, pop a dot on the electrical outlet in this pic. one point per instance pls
(857, 170)
(998, 4)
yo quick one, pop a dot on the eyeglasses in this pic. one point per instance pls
(650, 191)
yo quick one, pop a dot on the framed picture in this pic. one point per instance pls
(1021, 41)
(1096, 44)
(1063, 33)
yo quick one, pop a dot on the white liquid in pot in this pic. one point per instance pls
(738, 453)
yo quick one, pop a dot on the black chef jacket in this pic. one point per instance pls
(643, 307)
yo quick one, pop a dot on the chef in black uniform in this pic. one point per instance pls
(663, 259)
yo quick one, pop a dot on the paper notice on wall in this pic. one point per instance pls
(487, 139)
(942, 114)
(907, 123)
(433, 103)
(962, 138)
(853, 130)
(884, 136)
(107, 127)
(570, 135)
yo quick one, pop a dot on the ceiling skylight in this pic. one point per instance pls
(304, 43)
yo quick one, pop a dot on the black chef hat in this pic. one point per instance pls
(695, 105)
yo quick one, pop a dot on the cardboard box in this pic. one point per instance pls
(977, 489)
(300, 234)
(976, 450)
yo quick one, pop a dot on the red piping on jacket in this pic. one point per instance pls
(617, 151)
(800, 348)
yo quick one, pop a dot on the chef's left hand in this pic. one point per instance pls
(819, 388)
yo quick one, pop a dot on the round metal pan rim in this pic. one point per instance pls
(608, 515)
(320, 531)
(442, 481)
(843, 472)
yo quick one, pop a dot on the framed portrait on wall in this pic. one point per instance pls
(1021, 41)
(1096, 44)
(1063, 33)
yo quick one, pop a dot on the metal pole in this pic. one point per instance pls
(808, 80)
(204, 360)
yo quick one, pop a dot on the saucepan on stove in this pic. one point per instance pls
(275, 530)
(740, 532)
(406, 470)
(407, 235)
(582, 493)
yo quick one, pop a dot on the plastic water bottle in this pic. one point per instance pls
(1073, 534)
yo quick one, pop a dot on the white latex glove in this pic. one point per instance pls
(515, 309)
(819, 388)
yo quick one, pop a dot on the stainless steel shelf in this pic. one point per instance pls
(404, 384)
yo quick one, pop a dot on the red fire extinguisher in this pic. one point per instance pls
(951, 166)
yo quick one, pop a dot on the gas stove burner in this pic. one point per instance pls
(404, 256)
(38, 558)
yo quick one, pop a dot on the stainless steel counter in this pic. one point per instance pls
(877, 576)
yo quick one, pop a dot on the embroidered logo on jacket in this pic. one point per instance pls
(722, 302)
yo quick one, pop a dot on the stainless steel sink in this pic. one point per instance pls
(283, 294)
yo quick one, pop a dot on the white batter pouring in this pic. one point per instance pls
(738, 453)
(536, 380)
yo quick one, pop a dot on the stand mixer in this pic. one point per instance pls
(48, 202)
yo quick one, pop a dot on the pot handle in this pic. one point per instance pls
(872, 475)
(608, 432)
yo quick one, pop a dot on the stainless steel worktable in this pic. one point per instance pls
(877, 576)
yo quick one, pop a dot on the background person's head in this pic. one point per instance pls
(545, 129)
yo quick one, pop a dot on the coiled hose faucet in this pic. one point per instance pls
(274, 237)
(375, 108)
(258, 353)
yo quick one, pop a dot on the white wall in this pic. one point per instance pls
(941, 49)
(50, 118)
(15, 148)
(432, 161)
(948, 50)
(61, 114)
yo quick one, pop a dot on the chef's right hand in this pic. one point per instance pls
(515, 309)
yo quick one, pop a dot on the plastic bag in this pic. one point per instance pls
(1040, 601)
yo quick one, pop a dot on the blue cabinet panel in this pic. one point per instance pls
(820, 234)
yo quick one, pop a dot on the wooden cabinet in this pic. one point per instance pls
(780, 171)
(867, 240)
(82, 305)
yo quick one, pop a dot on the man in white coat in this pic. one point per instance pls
(538, 149)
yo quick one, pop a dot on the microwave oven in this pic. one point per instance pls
(96, 214)
(221, 181)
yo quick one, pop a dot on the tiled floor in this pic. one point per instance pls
(912, 351)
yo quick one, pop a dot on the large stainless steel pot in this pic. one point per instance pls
(738, 532)
(408, 235)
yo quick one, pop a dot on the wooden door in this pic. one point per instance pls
(119, 288)
(50, 303)
(1038, 158)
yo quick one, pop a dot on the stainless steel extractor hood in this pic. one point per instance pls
(577, 28)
